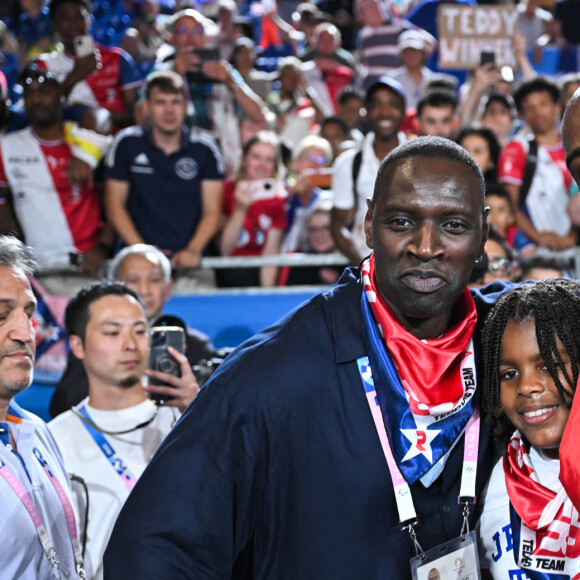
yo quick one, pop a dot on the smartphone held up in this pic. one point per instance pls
(84, 45)
(160, 359)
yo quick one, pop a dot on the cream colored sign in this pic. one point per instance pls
(467, 31)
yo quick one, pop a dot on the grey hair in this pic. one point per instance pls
(15, 254)
(147, 251)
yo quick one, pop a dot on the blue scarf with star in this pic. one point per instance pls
(418, 442)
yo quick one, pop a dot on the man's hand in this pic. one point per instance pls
(183, 389)
(85, 66)
(484, 76)
(186, 61)
(218, 70)
(302, 187)
(92, 262)
(79, 173)
(186, 259)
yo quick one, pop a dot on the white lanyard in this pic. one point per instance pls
(28, 504)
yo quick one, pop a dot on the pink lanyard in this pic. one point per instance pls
(28, 504)
(402, 490)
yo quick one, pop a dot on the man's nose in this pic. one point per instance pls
(21, 328)
(427, 243)
(130, 342)
(142, 288)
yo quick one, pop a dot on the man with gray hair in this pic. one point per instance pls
(34, 487)
(148, 271)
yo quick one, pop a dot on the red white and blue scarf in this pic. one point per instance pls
(545, 524)
(426, 389)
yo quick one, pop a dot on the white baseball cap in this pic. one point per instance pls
(410, 39)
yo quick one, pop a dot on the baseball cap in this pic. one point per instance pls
(506, 100)
(410, 39)
(33, 72)
(385, 82)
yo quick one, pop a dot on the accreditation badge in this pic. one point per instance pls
(456, 559)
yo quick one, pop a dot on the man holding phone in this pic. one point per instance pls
(108, 439)
(222, 100)
(147, 271)
(95, 77)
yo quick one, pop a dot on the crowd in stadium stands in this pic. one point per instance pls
(218, 128)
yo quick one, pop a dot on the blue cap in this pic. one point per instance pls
(385, 82)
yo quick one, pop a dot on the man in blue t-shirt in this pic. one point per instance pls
(164, 182)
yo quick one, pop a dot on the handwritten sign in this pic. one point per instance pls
(466, 31)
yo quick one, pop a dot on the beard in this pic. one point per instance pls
(129, 381)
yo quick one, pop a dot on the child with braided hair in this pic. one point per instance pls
(529, 528)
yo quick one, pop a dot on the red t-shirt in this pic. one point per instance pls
(81, 206)
(262, 216)
(512, 163)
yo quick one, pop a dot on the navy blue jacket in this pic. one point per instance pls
(276, 470)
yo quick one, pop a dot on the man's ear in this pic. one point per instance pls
(145, 108)
(369, 223)
(76, 346)
(167, 291)
(484, 230)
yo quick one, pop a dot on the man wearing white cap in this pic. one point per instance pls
(377, 45)
(413, 74)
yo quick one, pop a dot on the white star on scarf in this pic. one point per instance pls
(420, 442)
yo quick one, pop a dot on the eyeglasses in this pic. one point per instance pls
(185, 31)
(499, 267)
(318, 159)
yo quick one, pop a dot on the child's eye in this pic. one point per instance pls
(507, 375)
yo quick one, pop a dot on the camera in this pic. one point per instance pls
(205, 368)
(263, 189)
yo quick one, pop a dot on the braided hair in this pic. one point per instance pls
(554, 305)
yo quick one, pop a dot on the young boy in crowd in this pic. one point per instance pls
(503, 218)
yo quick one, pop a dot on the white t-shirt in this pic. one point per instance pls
(84, 458)
(494, 529)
